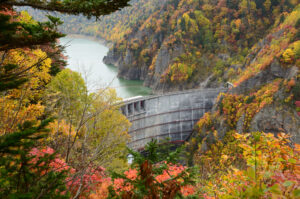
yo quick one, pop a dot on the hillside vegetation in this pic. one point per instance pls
(182, 44)
(58, 140)
(185, 42)
(112, 28)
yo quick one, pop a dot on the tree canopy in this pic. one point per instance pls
(87, 8)
(15, 33)
(30, 57)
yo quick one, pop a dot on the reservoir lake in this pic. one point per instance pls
(85, 56)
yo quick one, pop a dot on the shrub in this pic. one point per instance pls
(269, 168)
(153, 175)
(296, 91)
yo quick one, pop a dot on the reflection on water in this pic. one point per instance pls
(85, 56)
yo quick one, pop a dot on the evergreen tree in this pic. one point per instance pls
(21, 176)
(14, 34)
(88, 8)
(155, 177)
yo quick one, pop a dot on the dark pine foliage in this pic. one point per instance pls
(14, 34)
(20, 177)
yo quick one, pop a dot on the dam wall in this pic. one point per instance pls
(171, 115)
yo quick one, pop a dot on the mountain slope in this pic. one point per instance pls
(253, 44)
(112, 27)
(185, 41)
(266, 89)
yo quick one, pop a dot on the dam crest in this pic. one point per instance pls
(170, 115)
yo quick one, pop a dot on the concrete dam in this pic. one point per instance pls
(170, 115)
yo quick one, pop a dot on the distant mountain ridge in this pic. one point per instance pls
(182, 44)
(111, 28)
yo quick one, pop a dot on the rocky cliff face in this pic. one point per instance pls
(277, 118)
(188, 44)
(173, 51)
(149, 50)
(265, 89)
(165, 57)
(113, 58)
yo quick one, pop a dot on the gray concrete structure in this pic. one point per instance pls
(171, 115)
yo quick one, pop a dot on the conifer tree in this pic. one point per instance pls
(20, 175)
(14, 34)
(154, 177)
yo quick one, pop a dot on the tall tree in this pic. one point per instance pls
(24, 174)
(19, 176)
(88, 8)
(91, 126)
(17, 34)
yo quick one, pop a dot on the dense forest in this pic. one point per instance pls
(185, 42)
(175, 45)
(59, 140)
(111, 28)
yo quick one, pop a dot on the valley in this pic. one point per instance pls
(152, 99)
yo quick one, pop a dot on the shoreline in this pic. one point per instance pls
(96, 39)
(124, 88)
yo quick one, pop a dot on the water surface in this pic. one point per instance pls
(85, 56)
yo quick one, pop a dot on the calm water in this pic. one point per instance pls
(85, 56)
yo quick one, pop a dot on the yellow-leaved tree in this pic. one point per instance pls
(89, 127)
(24, 103)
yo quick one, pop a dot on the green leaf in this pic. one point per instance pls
(296, 193)
(251, 172)
(267, 174)
(293, 161)
(288, 183)
(275, 189)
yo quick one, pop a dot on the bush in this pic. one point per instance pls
(25, 172)
(268, 168)
(297, 25)
(296, 91)
(153, 175)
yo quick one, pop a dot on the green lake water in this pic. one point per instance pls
(85, 56)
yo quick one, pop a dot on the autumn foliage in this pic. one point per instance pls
(149, 177)
(262, 166)
(165, 185)
(69, 156)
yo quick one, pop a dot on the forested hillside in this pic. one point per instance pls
(181, 44)
(59, 140)
(113, 27)
(186, 42)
